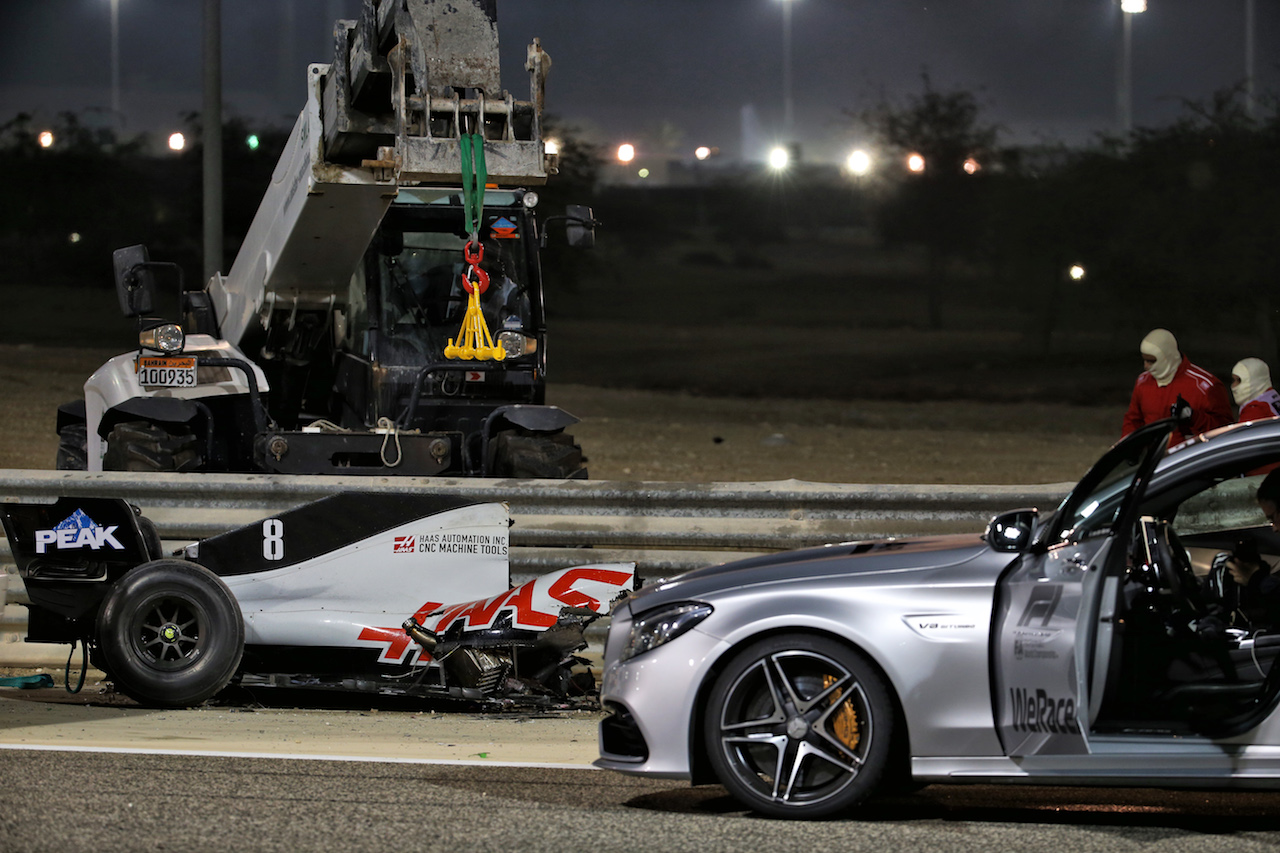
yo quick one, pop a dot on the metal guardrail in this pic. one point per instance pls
(665, 528)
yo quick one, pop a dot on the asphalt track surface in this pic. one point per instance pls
(86, 801)
(96, 773)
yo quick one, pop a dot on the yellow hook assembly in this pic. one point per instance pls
(474, 337)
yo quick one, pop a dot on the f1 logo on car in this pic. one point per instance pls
(78, 531)
(1041, 605)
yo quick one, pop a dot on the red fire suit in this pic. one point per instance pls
(1265, 405)
(1210, 404)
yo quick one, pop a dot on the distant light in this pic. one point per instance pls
(1076, 272)
(177, 142)
(1133, 6)
(779, 159)
(644, 173)
(915, 162)
(45, 139)
(971, 166)
(859, 162)
(74, 236)
(702, 152)
(552, 146)
(626, 152)
(253, 142)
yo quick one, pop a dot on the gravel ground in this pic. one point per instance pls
(656, 436)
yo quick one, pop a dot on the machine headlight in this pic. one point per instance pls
(662, 626)
(166, 338)
(517, 343)
(531, 198)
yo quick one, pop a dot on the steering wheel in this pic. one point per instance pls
(1168, 572)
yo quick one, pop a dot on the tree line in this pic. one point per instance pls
(1171, 226)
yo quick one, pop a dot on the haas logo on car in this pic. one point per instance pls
(536, 605)
(77, 531)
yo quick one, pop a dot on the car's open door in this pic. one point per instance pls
(1051, 648)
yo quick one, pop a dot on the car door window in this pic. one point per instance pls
(1226, 505)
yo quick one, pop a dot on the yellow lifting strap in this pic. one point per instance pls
(474, 340)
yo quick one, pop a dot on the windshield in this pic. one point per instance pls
(418, 265)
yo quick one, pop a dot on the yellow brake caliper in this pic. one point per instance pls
(845, 723)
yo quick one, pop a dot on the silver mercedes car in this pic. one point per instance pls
(1096, 644)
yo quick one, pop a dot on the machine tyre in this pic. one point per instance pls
(144, 446)
(554, 456)
(799, 726)
(73, 448)
(170, 633)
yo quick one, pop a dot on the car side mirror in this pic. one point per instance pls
(579, 226)
(135, 280)
(1011, 531)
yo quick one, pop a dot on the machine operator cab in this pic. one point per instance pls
(416, 267)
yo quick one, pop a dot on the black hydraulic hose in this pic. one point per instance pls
(259, 412)
(84, 666)
(208, 428)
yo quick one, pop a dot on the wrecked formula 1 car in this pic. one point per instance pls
(348, 593)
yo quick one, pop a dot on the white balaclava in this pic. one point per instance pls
(1163, 346)
(1255, 377)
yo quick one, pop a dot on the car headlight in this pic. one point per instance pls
(517, 343)
(166, 338)
(662, 626)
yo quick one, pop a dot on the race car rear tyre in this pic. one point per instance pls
(170, 633)
(73, 444)
(547, 456)
(799, 726)
(144, 446)
(151, 536)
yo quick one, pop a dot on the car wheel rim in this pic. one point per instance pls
(795, 728)
(167, 633)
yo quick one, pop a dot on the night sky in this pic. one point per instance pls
(674, 72)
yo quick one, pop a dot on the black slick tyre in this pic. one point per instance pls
(799, 726)
(170, 634)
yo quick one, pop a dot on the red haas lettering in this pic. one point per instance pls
(396, 641)
(537, 603)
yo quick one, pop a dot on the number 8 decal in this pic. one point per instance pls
(273, 539)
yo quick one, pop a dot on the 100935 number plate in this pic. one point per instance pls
(167, 371)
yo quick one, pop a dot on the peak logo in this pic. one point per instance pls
(75, 532)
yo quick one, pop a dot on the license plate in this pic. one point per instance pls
(167, 371)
